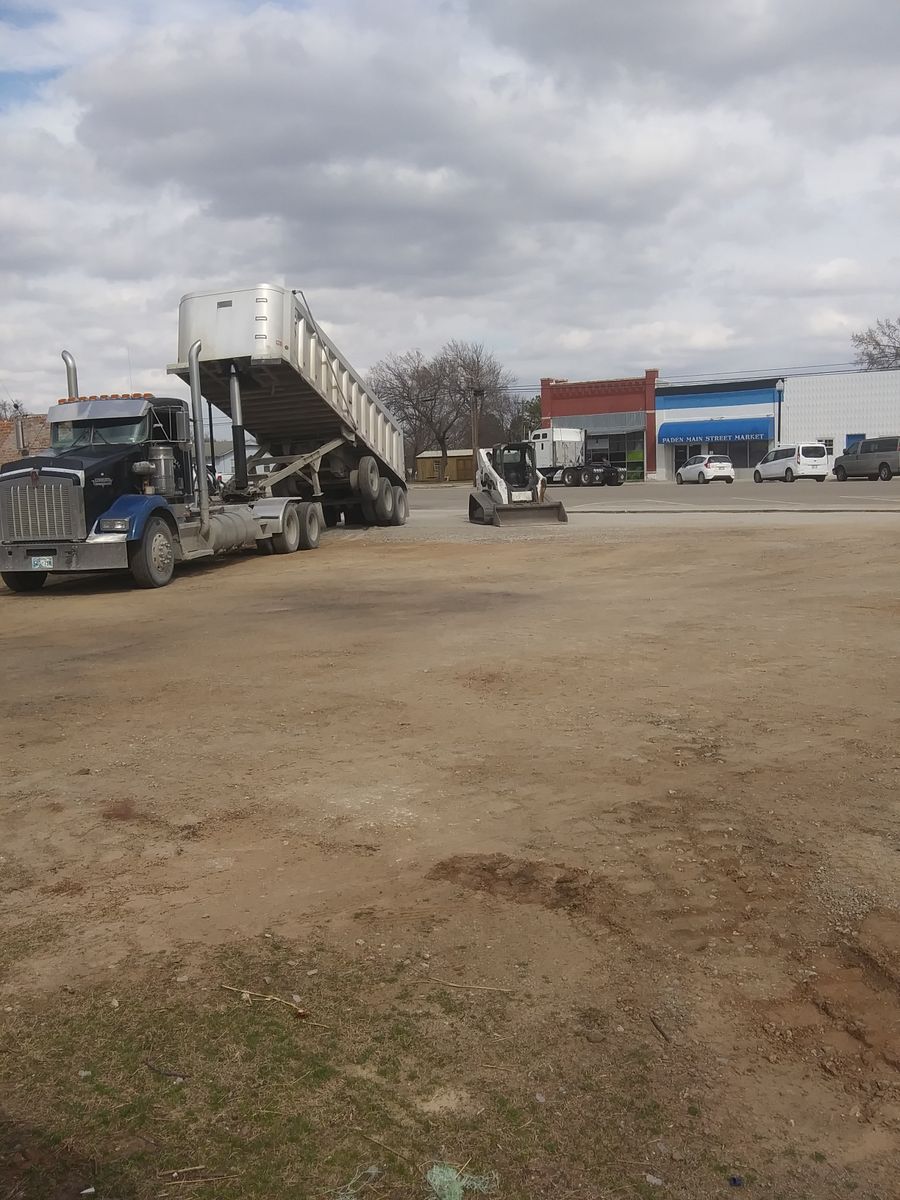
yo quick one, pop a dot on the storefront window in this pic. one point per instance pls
(742, 454)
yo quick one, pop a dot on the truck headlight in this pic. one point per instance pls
(114, 524)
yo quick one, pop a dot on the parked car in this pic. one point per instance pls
(806, 460)
(706, 468)
(872, 458)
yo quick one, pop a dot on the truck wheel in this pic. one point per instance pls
(401, 506)
(840, 474)
(587, 478)
(24, 581)
(310, 525)
(384, 505)
(367, 509)
(152, 559)
(885, 474)
(369, 479)
(288, 540)
(570, 477)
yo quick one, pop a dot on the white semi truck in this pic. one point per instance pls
(564, 456)
(125, 483)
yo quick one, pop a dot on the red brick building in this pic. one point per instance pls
(37, 436)
(618, 415)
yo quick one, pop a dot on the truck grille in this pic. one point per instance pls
(45, 511)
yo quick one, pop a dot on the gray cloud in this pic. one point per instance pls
(688, 186)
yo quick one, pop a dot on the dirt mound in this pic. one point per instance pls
(527, 881)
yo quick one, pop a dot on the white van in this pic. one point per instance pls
(807, 460)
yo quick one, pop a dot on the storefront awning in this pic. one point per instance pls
(725, 429)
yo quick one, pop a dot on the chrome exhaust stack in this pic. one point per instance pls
(71, 375)
(199, 452)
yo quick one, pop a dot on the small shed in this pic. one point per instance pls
(430, 467)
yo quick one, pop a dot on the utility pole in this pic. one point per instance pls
(477, 404)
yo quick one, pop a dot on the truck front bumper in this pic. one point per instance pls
(105, 552)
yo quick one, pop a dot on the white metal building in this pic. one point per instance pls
(840, 408)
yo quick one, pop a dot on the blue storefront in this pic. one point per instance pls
(738, 419)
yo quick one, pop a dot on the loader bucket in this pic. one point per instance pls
(530, 513)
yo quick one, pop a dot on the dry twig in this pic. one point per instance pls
(471, 987)
(384, 1147)
(659, 1029)
(302, 1013)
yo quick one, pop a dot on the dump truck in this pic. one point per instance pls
(509, 489)
(125, 484)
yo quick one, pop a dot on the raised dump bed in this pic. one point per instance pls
(297, 392)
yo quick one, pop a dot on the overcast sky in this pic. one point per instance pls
(589, 187)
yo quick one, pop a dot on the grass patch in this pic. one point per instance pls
(115, 1087)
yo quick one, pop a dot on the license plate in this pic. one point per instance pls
(42, 564)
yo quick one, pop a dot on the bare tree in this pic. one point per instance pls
(878, 347)
(406, 384)
(7, 410)
(432, 398)
(467, 368)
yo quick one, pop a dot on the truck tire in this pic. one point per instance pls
(288, 540)
(368, 478)
(310, 517)
(384, 504)
(152, 559)
(24, 581)
(367, 508)
(587, 478)
(401, 506)
(840, 474)
(570, 477)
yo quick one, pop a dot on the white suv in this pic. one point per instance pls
(808, 460)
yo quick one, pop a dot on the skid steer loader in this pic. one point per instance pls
(510, 489)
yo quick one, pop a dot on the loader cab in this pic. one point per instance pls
(514, 463)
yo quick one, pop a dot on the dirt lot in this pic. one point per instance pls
(580, 850)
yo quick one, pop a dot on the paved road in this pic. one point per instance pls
(805, 496)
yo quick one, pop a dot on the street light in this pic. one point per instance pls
(477, 403)
(779, 390)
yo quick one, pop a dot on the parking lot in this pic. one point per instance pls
(739, 497)
(583, 862)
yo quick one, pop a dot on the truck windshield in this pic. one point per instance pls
(69, 435)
